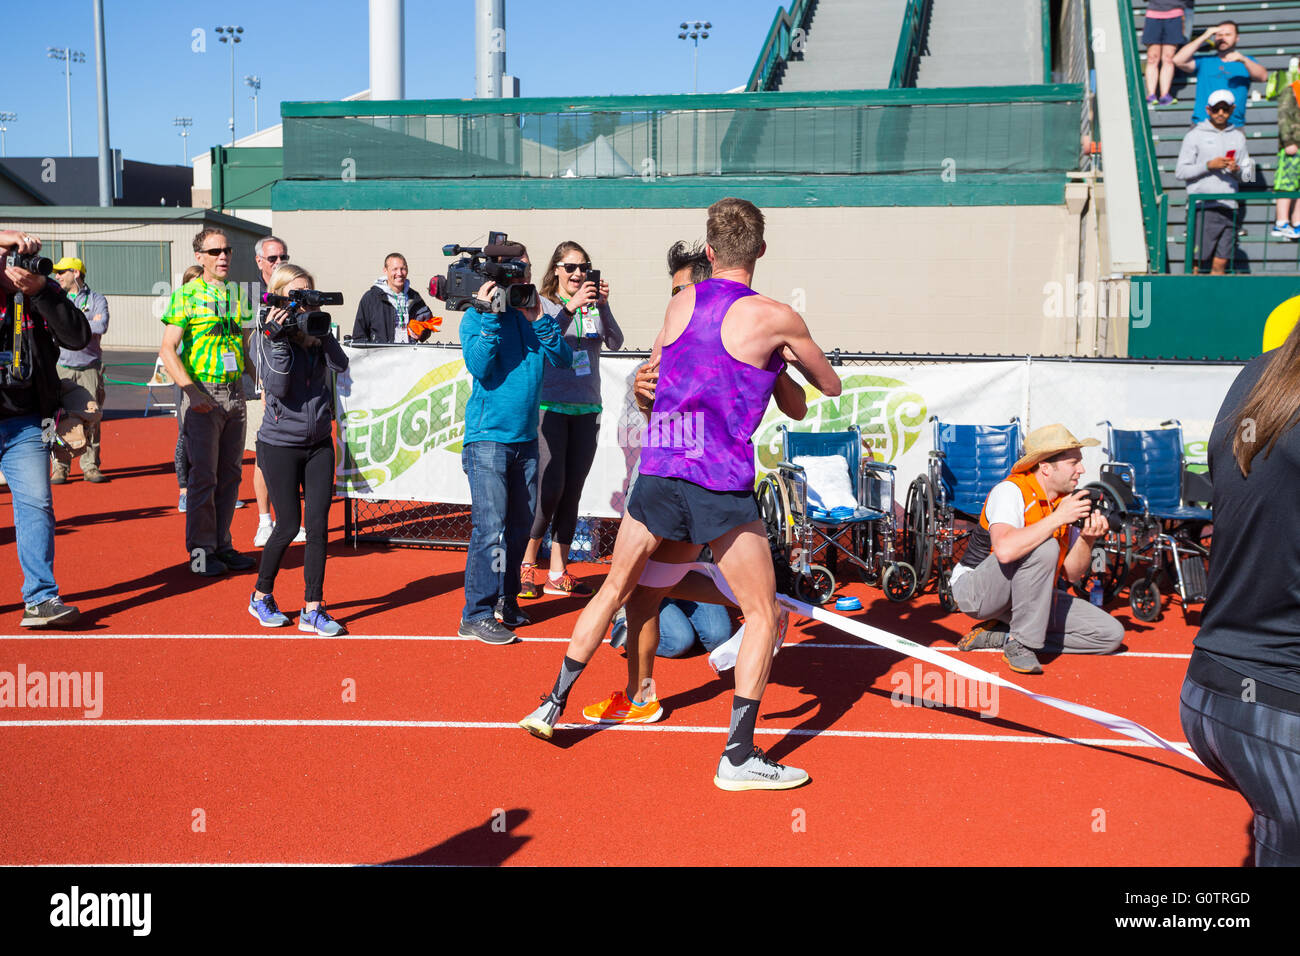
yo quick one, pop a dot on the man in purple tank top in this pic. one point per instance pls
(720, 354)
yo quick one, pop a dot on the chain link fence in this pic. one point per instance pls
(448, 525)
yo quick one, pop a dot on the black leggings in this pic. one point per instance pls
(566, 447)
(287, 470)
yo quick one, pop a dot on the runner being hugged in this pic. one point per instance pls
(719, 354)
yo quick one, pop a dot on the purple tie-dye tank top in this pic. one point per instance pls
(707, 403)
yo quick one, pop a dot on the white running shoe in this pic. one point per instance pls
(301, 536)
(758, 773)
(263, 535)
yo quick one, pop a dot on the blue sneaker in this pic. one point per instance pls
(319, 622)
(267, 614)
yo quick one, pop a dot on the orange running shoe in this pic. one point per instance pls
(528, 582)
(567, 586)
(617, 709)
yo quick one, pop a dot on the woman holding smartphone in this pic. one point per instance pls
(295, 449)
(570, 413)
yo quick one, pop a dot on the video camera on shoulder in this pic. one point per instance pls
(500, 261)
(303, 306)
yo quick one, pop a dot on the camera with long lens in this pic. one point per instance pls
(303, 306)
(500, 261)
(1100, 503)
(29, 261)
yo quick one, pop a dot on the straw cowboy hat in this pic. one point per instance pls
(1043, 443)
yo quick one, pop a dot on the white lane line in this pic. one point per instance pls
(294, 636)
(641, 728)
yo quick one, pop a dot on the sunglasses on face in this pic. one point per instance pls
(1220, 108)
(572, 267)
(222, 251)
(275, 259)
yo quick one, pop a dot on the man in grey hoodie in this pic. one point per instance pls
(1214, 159)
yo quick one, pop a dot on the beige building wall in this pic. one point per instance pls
(134, 319)
(875, 279)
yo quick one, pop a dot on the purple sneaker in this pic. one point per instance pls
(317, 621)
(1167, 101)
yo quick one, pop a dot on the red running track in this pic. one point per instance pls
(225, 748)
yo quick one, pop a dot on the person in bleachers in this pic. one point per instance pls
(1224, 69)
(1163, 33)
(1287, 223)
(1214, 159)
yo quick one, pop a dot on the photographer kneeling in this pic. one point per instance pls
(295, 448)
(1026, 538)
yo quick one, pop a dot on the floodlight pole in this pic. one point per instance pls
(69, 56)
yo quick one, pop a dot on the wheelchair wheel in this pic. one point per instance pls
(818, 587)
(919, 528)
(946, 600)
(774, 511)
(1144, 600)
(1109, 565)
(899, 581)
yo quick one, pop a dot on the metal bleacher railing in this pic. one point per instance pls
(1155, 204)
(778, 45)
(1239, 261)
(911, 40)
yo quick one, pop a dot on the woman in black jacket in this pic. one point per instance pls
(295, 449)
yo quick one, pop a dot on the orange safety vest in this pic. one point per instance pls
(1037, 507)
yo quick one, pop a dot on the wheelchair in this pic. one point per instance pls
(1162, 536)
(967, 461)
(808, 542)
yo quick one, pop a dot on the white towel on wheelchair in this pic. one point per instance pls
(830, 488)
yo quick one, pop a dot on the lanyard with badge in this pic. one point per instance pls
(585, 327)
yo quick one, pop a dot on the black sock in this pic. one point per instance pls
(740, 738)
(569, 671)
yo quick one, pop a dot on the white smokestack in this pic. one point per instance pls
(387, 59)
(490, 48)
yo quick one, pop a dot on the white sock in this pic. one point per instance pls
(264, 518)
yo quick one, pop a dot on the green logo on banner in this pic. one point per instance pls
(890, 415)
(381, 443)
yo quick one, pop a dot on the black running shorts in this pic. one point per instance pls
(680, 510)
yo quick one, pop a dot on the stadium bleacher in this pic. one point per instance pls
(1270, 34)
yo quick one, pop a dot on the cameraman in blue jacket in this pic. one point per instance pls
(504, 352)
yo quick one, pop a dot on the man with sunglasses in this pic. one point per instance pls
(206, 317)
(1224, 69)
(1214, 159)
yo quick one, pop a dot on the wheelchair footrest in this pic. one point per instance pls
(1194, 583)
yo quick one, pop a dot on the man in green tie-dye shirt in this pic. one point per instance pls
(205, 319)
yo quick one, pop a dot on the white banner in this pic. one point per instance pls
(402, 415)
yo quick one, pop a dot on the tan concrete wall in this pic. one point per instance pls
(896, 279)
(134, 319)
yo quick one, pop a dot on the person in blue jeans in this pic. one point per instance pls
(504, 353)
(1224, 69)
(683, 625)
(30, 336)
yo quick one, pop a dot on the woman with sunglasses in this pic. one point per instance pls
(295, 448)
(570, 414)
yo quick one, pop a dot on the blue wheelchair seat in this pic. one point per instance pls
(975, 458)
(1156, 455)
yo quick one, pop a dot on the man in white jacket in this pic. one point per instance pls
(1214, 159)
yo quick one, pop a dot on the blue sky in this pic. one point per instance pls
(319, 51)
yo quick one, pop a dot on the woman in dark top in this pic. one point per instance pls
(1241, 699)
(295, 448)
